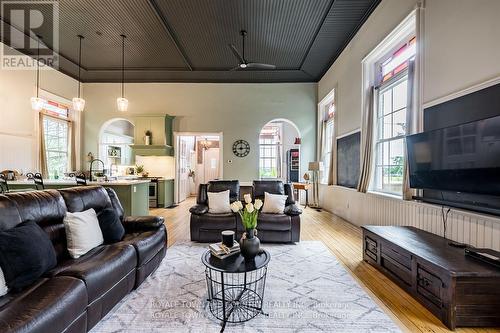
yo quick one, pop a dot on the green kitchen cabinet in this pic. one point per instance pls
(165, 193)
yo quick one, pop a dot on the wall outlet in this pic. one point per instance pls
(135, 189)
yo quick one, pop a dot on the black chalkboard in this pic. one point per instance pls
(348, 151)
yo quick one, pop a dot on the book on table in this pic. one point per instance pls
(221, 251)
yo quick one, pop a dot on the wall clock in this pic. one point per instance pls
(241, 148)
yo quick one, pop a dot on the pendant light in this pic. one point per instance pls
(37, 103)
(122, 102)
(79, 103)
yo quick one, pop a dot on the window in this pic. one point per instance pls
(327, 143)
(390, 120)
(270, 151)
(327, 133)
(56, 130)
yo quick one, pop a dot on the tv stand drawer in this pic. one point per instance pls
(429, 285)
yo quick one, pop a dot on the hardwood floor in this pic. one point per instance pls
(344, 241)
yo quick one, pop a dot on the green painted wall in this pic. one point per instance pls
(237, 110)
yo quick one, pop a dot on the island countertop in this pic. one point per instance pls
(71, 182)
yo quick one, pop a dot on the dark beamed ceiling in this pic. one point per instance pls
(186, 40)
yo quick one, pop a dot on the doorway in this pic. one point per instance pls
(115, 137)
(198, 160)
(279, 151)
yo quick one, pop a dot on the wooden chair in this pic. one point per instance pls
(38, 179)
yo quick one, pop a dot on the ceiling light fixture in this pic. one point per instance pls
(122, 102)
(37, 103)
(79, 103)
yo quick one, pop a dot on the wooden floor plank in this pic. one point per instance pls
(344, 240)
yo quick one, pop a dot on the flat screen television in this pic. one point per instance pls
(463, 158)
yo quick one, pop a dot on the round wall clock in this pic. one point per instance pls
(241, 148)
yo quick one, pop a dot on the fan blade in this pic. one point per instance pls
(236, 53)
(256, 65)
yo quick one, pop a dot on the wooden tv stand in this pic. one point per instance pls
(459, 290)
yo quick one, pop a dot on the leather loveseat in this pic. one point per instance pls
(77, 293)
(276, 228)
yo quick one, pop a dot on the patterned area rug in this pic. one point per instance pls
(307, 290)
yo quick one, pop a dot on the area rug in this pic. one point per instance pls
(307, 290)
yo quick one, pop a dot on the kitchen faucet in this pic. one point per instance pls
(91, 165)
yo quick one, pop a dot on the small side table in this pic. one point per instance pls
(304, 187)
(235, 286)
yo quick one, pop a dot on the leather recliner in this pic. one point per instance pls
(275, 228)
(77, 293)
(205, 226)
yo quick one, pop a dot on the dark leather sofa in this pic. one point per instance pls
(277, 228)
(77, 293)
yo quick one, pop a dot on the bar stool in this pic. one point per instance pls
(81, 179)
(4, 187)
(38, 179)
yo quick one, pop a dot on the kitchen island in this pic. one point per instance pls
(133, 194)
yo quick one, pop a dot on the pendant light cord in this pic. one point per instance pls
(243, 34)
(123, 63)
(37, 66)
(79, 64)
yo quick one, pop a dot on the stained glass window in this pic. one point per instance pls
(399, 60)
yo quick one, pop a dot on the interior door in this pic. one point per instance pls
(183, 171)
(211, 164)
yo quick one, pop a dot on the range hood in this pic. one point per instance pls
(161, 127)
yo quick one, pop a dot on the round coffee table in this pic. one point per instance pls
(235, 286)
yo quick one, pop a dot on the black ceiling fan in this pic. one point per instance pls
(244, 64)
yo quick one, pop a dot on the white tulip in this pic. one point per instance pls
(239, 204)
(250, 208)
(248, 198)
(258, 204)
(234, 207)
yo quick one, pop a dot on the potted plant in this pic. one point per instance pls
(140, 170)
(148, 137)
(249, 242)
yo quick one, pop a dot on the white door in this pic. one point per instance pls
(211, 164)
(184, 149)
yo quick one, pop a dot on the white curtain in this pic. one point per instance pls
(332, 170)
(411, 127)
(42, 153)
(367, 142)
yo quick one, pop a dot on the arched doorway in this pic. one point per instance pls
(115, 137)
(279, 151)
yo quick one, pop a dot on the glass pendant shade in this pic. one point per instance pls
(37, 103)
(122, 104)
(78, 104)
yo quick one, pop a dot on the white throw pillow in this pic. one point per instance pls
(218, 202)
(82, 232)
(274, 203)
(3, 285)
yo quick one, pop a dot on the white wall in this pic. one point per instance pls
(237, 110)
(18, 122)
(459, 51)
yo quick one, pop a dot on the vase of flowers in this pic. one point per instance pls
(249, 242)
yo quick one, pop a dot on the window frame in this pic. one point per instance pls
(326, 118)
(274, 157)
(389, 84)
(50, 116)
(327, 149)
